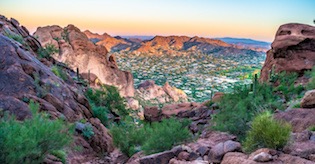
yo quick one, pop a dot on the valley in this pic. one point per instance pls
(198, 75)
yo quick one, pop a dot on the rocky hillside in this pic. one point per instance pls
(25, 78)
(77, 51)
(171, 45)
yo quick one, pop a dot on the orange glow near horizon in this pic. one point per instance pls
(191, 18)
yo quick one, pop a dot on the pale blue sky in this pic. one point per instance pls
(257, 19)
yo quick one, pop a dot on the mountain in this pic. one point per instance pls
(170, 45)
(112, 44)
(140, 37)
(247, 43)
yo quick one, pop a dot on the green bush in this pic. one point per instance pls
(61, 154)
(237, 109)
(58, 71)
(104, 100)
(47, 51)
(31, 140)
(164, 135)
(312, 128)
(311, 84)
(287, 85)
(100, 112)
(15, 37)
(266, 132)
(88, 131)
(132, 137)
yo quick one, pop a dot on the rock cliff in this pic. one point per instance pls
(77, 51)
(292, 50)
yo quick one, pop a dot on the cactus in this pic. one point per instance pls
(78, 74)
(255, 84)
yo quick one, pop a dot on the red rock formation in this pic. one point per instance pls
(292, 50)
(77, 51)
(107, 41)
(23, 77)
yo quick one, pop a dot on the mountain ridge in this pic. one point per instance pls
(171, 45)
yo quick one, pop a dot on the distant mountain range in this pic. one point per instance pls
(178, 45)
(247, 43)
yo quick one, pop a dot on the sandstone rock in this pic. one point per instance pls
(217, 96)
(292, 50)
(152, 114)
(301, 149)
(308, 101)
(135, 159)
(175, 161)
(133, 103)
(148, 90)
(101, 141)
(262, 157)
(217, 152)
(300, 119)
(183, 156)
(203, 150)
(161, 158)
(311, 157)
(236, 158)
(285, 158)
(25, 78)
(79, 52)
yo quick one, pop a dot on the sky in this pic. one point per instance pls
(255, 19)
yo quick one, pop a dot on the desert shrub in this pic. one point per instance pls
(164, 135)
(266, 132)
(15, 37)
(104, 100)
(47, 51)
(31, 140)
(61, 154)
(287, 85)
(58, 71)
(88, 131)
(311, 84)
(128, 136)
(150, 138)
(100, 112)
(237, 109)
(312, 128)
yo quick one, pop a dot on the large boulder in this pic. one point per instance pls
(77, 51)
(292, 50)
(300, 119)
(308, 101)
(240, 158)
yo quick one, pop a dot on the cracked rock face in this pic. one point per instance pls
(77, 51)
(292, 50)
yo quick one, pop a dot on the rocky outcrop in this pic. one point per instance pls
(77, 51)
(300, 119)
(302, 145)
(199, 151)
(13, 28)
(308, 101)
(25, 78)
(292, 50)
(241, 158)
(149, 91)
